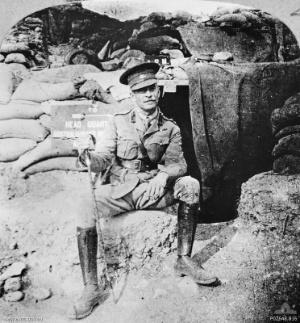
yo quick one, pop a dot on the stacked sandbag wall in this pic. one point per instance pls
(237, 34)
(20, 129)
(242, 34)
(286, 130)
(265, 88)
(25, 117)
(154, 37)
(16, 137)
(25, 44)
(95, 33)
(249, 35)
(158, 31)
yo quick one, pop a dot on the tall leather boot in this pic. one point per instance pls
(92, 294)
(185, 265)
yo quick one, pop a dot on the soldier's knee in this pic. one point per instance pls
(187, 189)
(188, 183)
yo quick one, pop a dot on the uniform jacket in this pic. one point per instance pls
(160, 145)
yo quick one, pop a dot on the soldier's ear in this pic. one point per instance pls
(132, 96)
(158, 91)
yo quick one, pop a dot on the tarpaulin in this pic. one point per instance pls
(230, 108)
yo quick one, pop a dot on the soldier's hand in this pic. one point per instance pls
(156, 186)
(83, 145)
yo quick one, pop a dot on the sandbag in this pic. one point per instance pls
(119, 44)
(118, 53)
(81, 57)
(7, 83)
(183, 17)
(158, 17)
(131, 62)
(94, 91)
(90, 89)
(147, 26)
(15, 110)
(289, 130)
(265, 87)
(105, 79)
(46, 121)
(2, 58)
(39, 91)
(20, 72)
(46, 107)
(174, 53)
(133, 53)
(26, 102)
(15, 58)
(232, 17)
(46, 149)
(8, 48)
(12, 148)
(287, 165)
(160, 31)
(63, 74)
(111, 65)
(33, 21)
(23, 128)
(220, 11)
(153, 45)
(287, 145)
(252, 17)
(59, 163)
(287, 115)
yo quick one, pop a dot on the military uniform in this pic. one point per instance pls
(136, 155)
(135, 151)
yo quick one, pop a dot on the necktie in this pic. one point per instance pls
(147, 124)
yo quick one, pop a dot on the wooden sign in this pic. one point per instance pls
(79, 120)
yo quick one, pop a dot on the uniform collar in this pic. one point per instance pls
(156, 124)
(144, 117)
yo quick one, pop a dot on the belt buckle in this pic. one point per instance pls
(137, 164)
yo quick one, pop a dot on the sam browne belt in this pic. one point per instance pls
(137, 165)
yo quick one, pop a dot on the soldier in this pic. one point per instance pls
(148, 168)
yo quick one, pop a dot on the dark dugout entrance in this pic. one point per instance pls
(223, 74)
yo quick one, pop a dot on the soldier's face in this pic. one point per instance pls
(147, 97)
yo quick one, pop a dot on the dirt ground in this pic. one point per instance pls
(40, 219)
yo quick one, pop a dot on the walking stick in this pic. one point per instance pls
(98, 225)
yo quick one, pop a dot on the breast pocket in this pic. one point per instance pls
(127, 148)
(156, 147)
